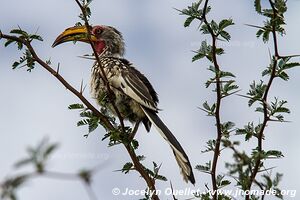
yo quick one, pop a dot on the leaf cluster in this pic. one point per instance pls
(37, 157)
(89, 119)
(275, 18)
(24, 36)
(280, 70)
(154, 173)
(86, 9)
(27, 59)
(193, 12)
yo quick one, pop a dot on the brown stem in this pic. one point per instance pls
(55, 73)
(265, 105)
(138, 166)
(103, 119)
(218, 105)
(103, 75)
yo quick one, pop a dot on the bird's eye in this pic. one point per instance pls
(98, 31)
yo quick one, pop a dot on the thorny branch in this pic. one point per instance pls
(103, 75)
(218, 103)
(138, 166)
(61, 79)
(61, 176)
(260, 135)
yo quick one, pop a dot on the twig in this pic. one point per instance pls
(134, 131)
(103, 75)
(138, 166)
(265, 106)
(95, 111)
(218, 105)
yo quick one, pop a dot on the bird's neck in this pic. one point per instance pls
(107, 53)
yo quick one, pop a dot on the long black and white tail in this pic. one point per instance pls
(181, 157)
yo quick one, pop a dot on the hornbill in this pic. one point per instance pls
(133, 95)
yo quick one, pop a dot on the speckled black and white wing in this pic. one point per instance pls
(133, 83)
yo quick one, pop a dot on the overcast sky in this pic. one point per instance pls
(34, 105)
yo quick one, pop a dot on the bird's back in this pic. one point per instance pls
(130, 88)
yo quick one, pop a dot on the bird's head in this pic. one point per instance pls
(105, 38)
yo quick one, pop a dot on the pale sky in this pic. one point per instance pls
(34, 105)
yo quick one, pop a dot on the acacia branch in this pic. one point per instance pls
(54, 175)
(218, 104)
(260, 135)
(103, 75)
(138, 166)
(61, 79)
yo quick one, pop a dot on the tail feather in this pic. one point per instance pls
(180, 155)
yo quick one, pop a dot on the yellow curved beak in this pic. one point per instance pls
(76, 33)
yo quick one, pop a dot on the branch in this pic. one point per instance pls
(106, 123)
(218, 105)
(260, 135)
(56, 176)
(138, 166)
(103, 75)
(55, 73)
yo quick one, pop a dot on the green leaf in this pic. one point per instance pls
(266, 36)
(36, 37)
(225, 183)
(274, 154)
(135, 144)
(50, 149)
(226, 74)
(259, 32)
(188, 21)
(291, 65)
(23, 162)
(93, 124)
(204, 168)
(219, 51)
(127, 167)
(277, 179)
(20, 45)
(204, 51)
(214, 26)
(209, 110)
(19, 32)
(83, 122)
(256, 92)
(197, 57)
(225, 35)
(210, 146)
(206, 106)
(76, 106)
(15, 64)
(257, 6)
(248, 130)
(225, 23)
(8, 42)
